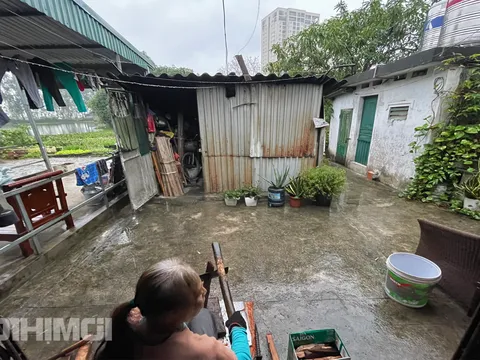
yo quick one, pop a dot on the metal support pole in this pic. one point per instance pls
(222, 277)
(105, 197)
(180, 134)
(118, 62)
(33, 125)
(36, 243)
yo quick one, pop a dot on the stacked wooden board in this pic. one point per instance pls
(164, 161)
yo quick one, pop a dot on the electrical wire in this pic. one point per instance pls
(254, 29)
(225, 36)
(105, 78)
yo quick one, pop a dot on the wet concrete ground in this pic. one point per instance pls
(307, 268)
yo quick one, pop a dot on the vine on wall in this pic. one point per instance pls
(455, 147)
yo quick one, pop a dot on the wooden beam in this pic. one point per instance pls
(271, 347)
(243, 67)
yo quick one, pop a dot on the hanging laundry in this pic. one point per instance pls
(25, 76)
(87, 175)
(80, 85)
(4, 119)
(150, 122)
(48, 83)
(92, 83)
(68, 81)
(102, 165)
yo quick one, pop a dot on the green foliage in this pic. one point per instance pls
(33, 153)
(280, 178)
(95, 143)
(18, 136)
(457, 206)
(295, 187)
(378, 32)
(89, 141)
(76, 152)
(233, 194)
(326, 180)
(100, 108)
(455, 146)
(250, 191)
(171, 70)
(471, 187)
(465, 101)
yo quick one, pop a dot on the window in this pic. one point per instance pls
(398, 113)
(419, 73)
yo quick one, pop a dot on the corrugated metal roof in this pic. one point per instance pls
(59, 25)
(207, 79)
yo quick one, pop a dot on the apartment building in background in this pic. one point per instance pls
(279, 25)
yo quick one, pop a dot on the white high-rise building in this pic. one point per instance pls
(279, 25)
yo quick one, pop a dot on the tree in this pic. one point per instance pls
(251, 62)
(378, 32)
(99, 106)
(12, 103)
(171, 70)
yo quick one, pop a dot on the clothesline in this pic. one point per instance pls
(107, 78)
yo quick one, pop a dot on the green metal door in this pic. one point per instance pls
(343, 135)
(366, 129)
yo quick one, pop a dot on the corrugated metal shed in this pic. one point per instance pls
(63, 30)
(248, 129)
(263, 127)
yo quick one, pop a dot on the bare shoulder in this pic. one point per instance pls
(214, 347)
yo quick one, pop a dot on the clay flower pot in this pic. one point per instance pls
(295, 202)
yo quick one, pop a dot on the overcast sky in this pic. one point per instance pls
(190, 32)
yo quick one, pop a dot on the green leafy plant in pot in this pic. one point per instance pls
(251, 194)
(276, 190)
(231, 197)
(322, 183)
(470, 189)
(295, 189)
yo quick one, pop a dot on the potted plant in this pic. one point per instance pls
(231, 197)
(276, 190)
(295, 190)
(471, 192)
(322, 183)
(251, 194)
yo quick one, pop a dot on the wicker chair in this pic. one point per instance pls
(458, 255)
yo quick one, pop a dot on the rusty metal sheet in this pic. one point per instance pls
(263, 168)
(284, 123)
(263, 126)
(226, 172)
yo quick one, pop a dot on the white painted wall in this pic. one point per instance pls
(389, 150)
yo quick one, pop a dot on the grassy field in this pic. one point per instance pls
(100, 142)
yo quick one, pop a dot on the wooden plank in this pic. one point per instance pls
(271, 347)
(168, 168)
(243, 67)
(87, 340)
(157, 171)
(83, 352)
(251, 325)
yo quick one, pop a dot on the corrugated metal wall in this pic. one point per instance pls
(263, 126)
